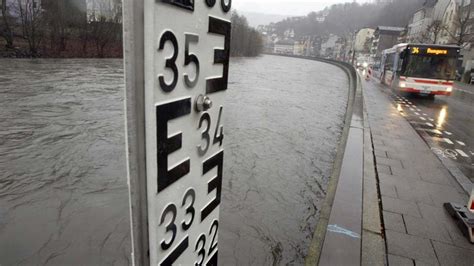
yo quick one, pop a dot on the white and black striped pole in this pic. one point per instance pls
(176, 67)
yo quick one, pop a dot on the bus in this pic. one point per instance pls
(422, 69)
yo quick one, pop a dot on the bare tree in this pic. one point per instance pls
(30, 14)
(105, 24)
(432, 32)
(84, 35)
(54, 16)
(460, 33)
(5, 28)
(246, 41)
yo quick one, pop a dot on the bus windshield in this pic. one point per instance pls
(433, 67)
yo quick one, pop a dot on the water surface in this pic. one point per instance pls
(63, 190)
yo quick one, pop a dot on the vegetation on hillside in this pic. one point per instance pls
(245, 40)
(60, 28)
(344, 19)
(65, 29)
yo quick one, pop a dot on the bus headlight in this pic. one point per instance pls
(403, 85)
(365, 64)
(449, 89)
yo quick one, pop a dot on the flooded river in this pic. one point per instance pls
(63, 191)
(283, 123)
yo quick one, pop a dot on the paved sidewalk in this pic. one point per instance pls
(413, 185)
(468, 88)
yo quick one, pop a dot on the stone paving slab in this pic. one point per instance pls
(409, 246)
(413, 185)
(394, 221)
(399, 261)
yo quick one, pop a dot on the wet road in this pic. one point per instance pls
(63, 192)
(447, 121)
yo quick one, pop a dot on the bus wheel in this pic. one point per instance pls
(431, 97)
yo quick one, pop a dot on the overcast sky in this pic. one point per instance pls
(286, 7)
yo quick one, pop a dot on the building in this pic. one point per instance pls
(284, 47)
(340, 49)
(327, 46)
(299, 48)
(290, 33)
(440, 8)
(384, 38)
(11, 6)
(427, 23)
(74, 11)
(362, 40)
(467, 18)
(450, 25)
(110, 10)
(418, 29)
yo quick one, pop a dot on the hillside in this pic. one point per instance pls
(344, 19)
(254, 18)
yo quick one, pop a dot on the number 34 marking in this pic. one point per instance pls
(218, 133)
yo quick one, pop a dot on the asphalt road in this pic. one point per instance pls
(447, 121)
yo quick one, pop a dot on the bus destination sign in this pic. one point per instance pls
(417, 50)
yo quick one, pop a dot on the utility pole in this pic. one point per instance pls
(353, 47)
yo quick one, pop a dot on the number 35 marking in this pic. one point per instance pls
(225, 7)
(221, 56)
(170, 63)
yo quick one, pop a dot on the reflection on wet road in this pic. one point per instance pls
(63, 191)
(283, 124)
(447, 121)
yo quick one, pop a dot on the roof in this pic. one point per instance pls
(388, 28)
(430, 3)
(285, 42)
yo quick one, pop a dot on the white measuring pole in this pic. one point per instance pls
(133, 44)
(176, 67)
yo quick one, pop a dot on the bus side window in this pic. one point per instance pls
(389, 62)
(400, 65)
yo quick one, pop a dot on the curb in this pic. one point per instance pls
(345, 204)
(316, 247)
(343, 240)
(374, 246)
